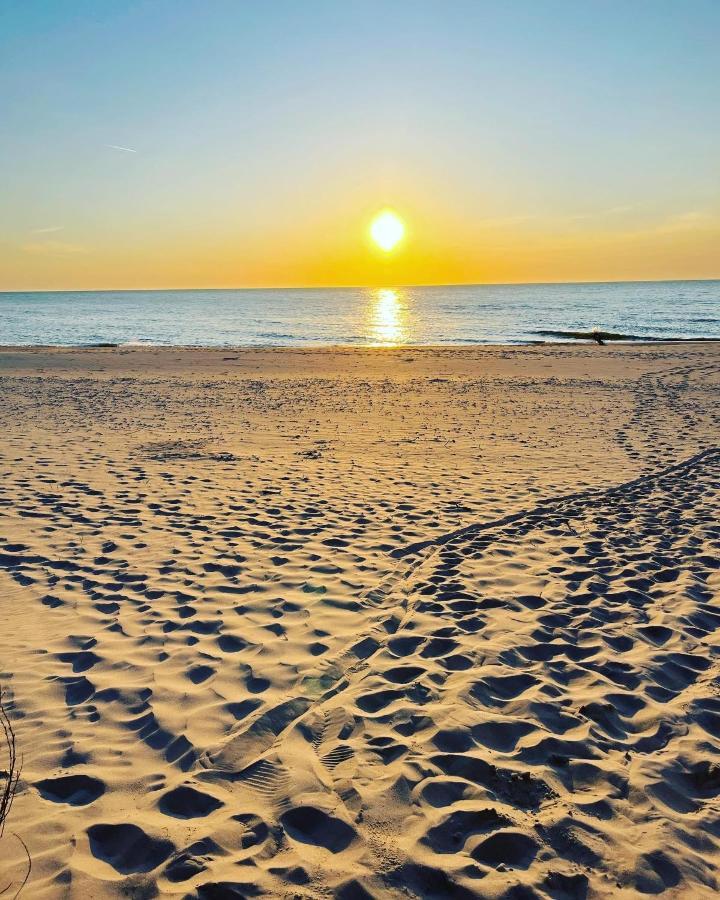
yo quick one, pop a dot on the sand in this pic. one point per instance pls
(363, 623)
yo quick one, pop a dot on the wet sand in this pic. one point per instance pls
(430, 622)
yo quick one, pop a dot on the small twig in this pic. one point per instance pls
(29, 866)
(9, 789)
(14, 767)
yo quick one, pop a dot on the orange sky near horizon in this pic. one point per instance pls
(434, 251)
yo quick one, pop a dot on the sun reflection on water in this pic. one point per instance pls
(387, 317)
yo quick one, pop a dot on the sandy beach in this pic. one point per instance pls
(363, 623)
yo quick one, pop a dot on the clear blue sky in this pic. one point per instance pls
(512, 136)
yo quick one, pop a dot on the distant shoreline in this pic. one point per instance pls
(358, 287)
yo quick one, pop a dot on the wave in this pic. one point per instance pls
(601, 336)
(597, 335)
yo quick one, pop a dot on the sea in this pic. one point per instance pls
(453, 314)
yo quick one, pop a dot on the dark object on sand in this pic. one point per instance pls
(595, 335)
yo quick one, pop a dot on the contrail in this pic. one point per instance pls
(124, 149)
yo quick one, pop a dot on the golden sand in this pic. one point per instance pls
(363, 623)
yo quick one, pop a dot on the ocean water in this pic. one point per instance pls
(496, 314)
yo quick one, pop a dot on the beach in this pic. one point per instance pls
(362, 622)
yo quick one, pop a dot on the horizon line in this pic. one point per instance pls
(330, 287)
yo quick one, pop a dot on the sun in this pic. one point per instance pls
(387, 230)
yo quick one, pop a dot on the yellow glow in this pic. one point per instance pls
(387, 230)
(331, 247)
(387, 318)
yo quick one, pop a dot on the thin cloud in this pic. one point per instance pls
(505, 221)
(54, 248)
(692, 220)
(122, 149)
(48, 230)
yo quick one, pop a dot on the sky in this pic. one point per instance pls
(230, 143)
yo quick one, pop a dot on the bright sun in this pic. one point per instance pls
(387, 230)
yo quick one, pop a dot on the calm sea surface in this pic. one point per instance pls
(502, 314)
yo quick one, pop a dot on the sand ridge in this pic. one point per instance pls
(350, 623)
